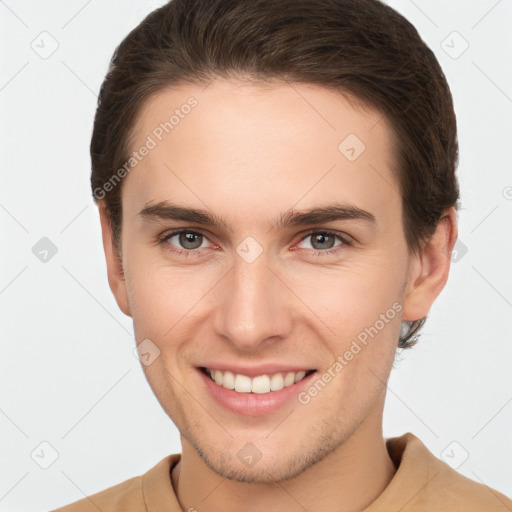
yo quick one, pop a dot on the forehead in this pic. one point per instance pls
(261, 148)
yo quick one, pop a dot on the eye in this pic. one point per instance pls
(322, 242)
(191, 243)
(187, 242)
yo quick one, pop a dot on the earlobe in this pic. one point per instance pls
(428, 271)
(115, 271)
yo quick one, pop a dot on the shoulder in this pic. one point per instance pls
(463, 493)
(127, 495)
(426, 483)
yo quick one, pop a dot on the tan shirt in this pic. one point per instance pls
(422, 483)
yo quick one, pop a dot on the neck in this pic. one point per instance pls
(347, 480)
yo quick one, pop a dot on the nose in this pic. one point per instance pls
(255, 306)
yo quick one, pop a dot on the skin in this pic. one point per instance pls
(250, 152)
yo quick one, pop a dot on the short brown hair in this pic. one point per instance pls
(362, 48)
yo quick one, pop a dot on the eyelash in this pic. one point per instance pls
(163, 241)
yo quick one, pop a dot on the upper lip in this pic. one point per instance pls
(253, 371)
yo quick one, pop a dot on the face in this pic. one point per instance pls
(253, 291)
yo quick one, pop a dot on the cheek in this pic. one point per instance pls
(350, 296)
(163, 299)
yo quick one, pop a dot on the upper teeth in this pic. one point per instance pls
(259, 384)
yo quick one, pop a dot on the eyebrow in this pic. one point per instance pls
(165, 210)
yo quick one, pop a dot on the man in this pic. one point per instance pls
(277, 195)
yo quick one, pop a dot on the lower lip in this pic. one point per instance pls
(254, 404)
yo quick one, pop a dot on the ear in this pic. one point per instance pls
(114, 262)
(428, 270)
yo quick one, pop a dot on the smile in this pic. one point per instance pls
(260, 384)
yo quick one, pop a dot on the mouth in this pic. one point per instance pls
(259, 384)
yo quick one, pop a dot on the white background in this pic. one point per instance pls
(68, 374)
